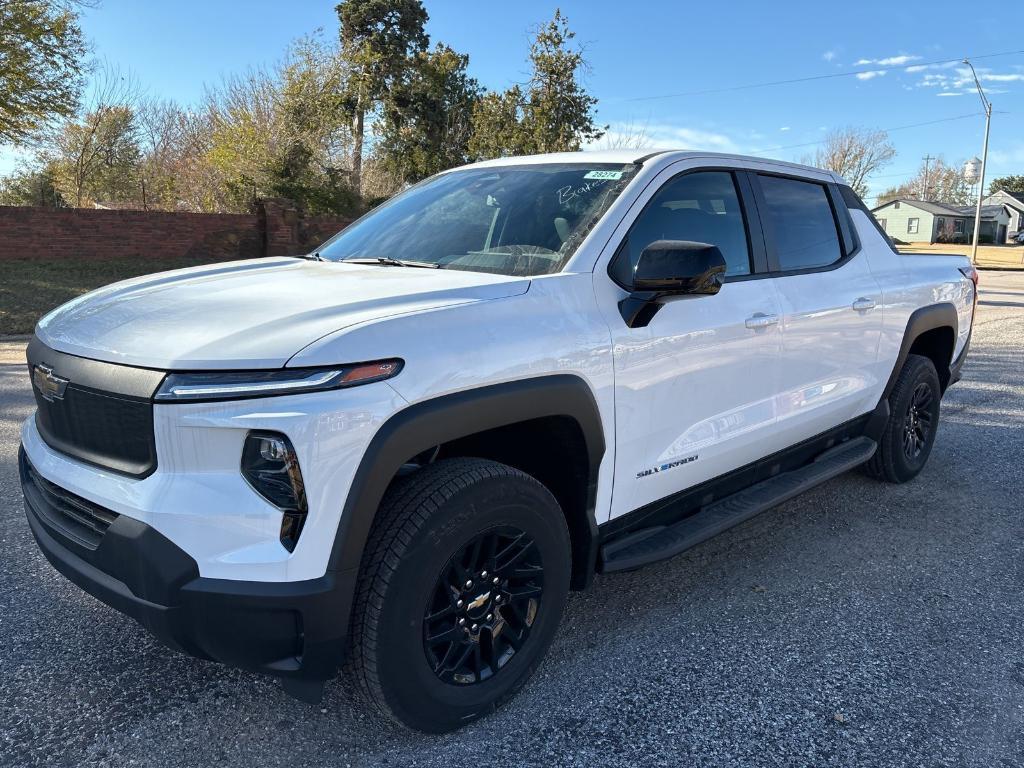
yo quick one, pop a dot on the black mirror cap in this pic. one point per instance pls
(679, 267)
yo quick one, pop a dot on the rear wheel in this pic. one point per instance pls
(909, 435)
(463, 584)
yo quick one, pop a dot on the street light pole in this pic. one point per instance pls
(984, 158)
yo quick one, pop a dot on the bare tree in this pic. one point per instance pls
(97, 152)
(855, 154)
(626, 136)
(934, 180)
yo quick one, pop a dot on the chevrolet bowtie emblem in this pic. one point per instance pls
(50, 386)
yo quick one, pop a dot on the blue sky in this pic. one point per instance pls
(644, 49)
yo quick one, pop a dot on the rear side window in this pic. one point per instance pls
(703, 207)
(800, 217)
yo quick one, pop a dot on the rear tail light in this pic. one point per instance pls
(270, 466)
(971, 274)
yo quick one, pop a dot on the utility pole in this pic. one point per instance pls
(987, 105)
(927, 159)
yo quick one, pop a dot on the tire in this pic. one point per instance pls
(901, 455)
(424, 539)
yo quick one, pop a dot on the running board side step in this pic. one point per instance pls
(648, 545)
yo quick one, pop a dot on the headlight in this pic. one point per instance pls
(237, 385)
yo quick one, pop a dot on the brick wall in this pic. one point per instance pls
(276, 229)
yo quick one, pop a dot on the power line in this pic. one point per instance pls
(887, 130)
(811, 78)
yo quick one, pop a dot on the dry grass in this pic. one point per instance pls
(996, 256)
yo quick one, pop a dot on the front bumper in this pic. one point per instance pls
(295, 630)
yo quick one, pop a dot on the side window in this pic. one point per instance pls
(912, 225)
(800, 217)
(702, 207)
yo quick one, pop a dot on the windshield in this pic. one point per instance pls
(518, 220)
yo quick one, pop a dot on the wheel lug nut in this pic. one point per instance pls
(495, 580)
(458, 603)
(497, 598)
(475, 627)
(462, 622)
(483, 574)
(490, 616)
(469, 585)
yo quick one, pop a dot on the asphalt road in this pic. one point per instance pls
(859, 625)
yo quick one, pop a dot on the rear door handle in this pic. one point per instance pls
(863, 305)
(761, 320)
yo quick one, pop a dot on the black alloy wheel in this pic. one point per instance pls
(483, 606)
(917, 423)
(906, 442)
(464, 579)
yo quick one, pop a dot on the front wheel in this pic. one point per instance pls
(909, 435)
(463, 584)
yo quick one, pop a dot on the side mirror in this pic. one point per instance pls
(671, 268)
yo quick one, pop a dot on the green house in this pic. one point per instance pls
(924, 221)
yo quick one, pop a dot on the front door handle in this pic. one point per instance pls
(761, 320)
(863, 305)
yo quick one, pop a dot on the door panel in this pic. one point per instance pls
(831, 308)
(829, 348)
(694, 392)
(695, 389)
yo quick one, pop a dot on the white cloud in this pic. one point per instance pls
(1005, 78)
(961, 80)
(888, 61)
(784, 128)
(870, 74)
(693, 138)
(828, 55)
(897, 61)
(665, 136)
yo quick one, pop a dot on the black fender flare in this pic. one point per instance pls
(921, 320)
(426, 424)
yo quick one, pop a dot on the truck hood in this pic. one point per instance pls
(251, 314)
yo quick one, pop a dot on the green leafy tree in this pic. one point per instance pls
(554, 113)
(379, 38)
(281, 133)
(1007, 183)
(426, 122)
(316, 138)
(28, 186)
(96, 157)
(499, 128)
(41, 69)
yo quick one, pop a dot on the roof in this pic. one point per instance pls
(626, 156)
(944, 209)
(1018, 197)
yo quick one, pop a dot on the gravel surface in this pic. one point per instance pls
(861, 624)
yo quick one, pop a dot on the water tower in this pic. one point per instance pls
(972, 172)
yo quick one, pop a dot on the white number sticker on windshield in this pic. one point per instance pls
(606, 175)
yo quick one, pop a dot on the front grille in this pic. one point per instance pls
(99, 428)
(76, 518)
(100, 413)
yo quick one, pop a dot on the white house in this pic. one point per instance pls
(1014, 204)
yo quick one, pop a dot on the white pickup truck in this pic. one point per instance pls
(401, 452)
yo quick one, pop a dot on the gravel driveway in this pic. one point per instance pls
(861, 624)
